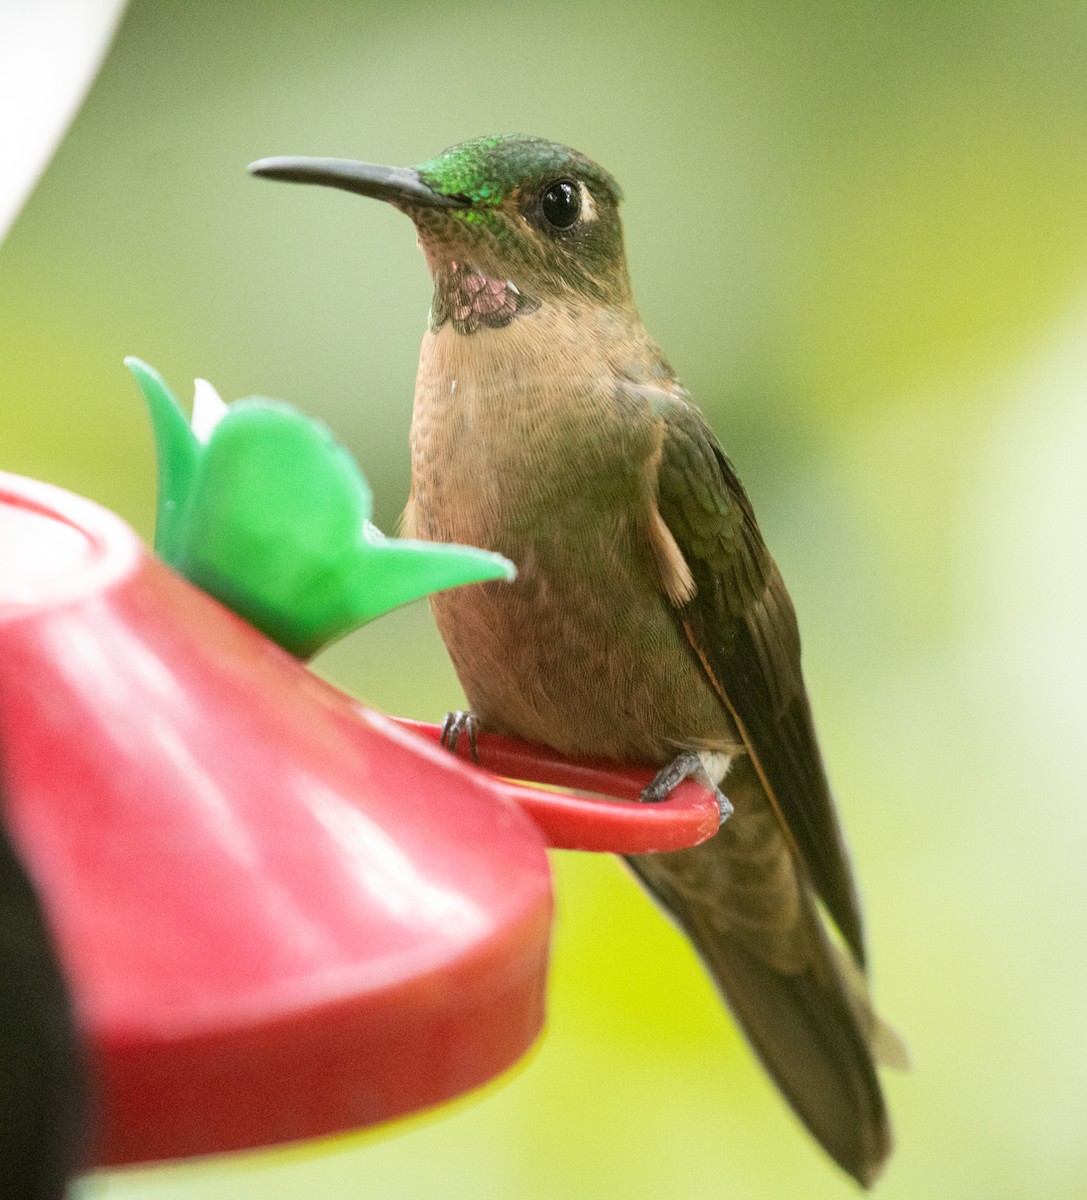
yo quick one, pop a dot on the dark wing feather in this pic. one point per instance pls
(741, 625)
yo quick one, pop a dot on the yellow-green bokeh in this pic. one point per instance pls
(860, 232)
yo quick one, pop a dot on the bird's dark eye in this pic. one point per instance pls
(561, 204)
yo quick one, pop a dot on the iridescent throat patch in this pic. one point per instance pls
(469, 300)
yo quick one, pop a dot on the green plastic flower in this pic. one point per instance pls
(259, 506)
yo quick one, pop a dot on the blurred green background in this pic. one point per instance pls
(860, 233)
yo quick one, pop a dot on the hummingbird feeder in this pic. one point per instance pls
(281, 915)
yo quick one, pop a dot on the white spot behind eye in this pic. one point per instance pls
(588, 204)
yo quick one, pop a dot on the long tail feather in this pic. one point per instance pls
(749, 911)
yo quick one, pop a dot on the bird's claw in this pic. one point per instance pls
(455, 726)
(724, 805)
(686, 765)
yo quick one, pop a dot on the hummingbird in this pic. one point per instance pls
(648, 622)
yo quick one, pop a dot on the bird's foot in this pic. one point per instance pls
(455, 726)
(704, 767)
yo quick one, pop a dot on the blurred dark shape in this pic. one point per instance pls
(42, 1089)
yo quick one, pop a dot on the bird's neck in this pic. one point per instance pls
(493, 344)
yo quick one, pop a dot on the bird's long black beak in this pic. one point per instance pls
(398, 185)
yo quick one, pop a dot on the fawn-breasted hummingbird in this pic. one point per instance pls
(648, 622)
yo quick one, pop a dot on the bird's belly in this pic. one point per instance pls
(582, 653)
(520, 445)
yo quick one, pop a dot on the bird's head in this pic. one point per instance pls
(506, 209)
